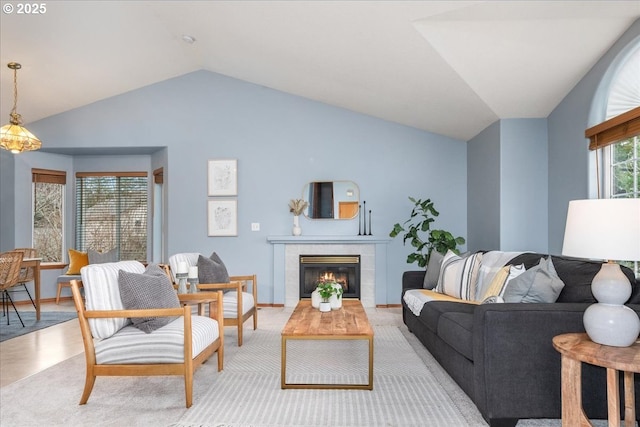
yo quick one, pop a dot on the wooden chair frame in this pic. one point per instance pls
(238, 284)
(185, 369)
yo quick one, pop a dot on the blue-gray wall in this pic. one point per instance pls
(571, 165)
(483, 184)
(507, 186)
(281, 142)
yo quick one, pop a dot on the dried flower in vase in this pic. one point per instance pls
(297, 206)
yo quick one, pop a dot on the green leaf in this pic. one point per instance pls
(417, 230)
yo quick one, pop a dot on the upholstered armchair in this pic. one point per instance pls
(241, 292)
(134, 324)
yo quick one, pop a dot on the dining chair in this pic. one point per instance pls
(26, 274)
(9, 275)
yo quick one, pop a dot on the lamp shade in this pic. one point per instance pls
(607, 229)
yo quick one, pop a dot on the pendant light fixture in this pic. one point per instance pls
(14, 137)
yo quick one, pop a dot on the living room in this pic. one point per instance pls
(283, 141)
(514, 170)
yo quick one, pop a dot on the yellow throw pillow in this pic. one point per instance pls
(497, 284)
(77, 260)
(501, 280)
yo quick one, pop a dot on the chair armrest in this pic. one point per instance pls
(216, 286)
(253, 278)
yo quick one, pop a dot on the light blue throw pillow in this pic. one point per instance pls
(538, 284)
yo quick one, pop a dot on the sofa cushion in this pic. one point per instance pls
(151, 289)
(96, 257)
(102, 292)
(165, 345)
(433, 270)
(538, 284)
(577, 275)
(432, 311)
(458, 275)
(456, 329)
(230, 303)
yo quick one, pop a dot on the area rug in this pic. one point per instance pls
(410, 389)
(405, 393)
(47, 318)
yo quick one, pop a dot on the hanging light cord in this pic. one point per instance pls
(16, 119)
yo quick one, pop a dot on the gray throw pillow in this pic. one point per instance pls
(538, 284)
(212, 270)
(151, 289)
(433, 270)
(96, 257)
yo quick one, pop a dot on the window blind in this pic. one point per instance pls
(48, 176)
(624, 126)
(111, 212)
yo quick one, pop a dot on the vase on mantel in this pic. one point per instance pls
(296, 225)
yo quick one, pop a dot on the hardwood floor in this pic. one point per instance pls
(28, 354)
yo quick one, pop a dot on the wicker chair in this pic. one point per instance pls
(26, 274)
(9, 275)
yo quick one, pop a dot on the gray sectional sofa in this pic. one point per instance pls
(501, 354)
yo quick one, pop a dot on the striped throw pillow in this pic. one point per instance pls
(458, 275)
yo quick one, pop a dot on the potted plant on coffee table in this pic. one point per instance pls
(326, 290)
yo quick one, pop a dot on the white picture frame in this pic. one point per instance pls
(222, 217)
(223, 177)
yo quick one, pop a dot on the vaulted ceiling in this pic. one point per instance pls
(449, 67)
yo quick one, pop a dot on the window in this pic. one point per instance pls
(621, 138)
(623, 160)
(111, 212)
(48, 213)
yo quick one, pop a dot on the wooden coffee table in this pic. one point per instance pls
(308, 323)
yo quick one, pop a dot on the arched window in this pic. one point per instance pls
(621, 174)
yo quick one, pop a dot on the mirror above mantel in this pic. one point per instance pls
(331, 199)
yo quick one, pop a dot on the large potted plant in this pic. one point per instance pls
(417, 230)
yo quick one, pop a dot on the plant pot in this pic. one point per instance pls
(325, 306)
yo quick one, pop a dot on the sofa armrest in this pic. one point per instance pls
(413, 279)
(517, 370)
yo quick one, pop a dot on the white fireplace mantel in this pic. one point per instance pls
(286, 269)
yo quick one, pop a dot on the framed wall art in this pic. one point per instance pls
(222, 217)
(223, 177)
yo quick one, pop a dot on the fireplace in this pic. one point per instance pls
(344, 269)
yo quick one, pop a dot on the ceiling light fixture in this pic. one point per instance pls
(14, 137)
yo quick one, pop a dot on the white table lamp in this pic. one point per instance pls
(606, 229)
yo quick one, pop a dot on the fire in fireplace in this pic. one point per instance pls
(344, 269)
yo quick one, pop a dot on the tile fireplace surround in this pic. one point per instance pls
(286, 268)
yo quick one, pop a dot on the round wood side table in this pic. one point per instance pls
(577, 348)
